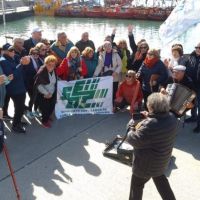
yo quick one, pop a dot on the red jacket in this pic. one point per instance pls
(63, 69)
(126, 92)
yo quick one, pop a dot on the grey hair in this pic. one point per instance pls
(158, 103)
(60, 33)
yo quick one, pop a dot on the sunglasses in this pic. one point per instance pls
(128, 76)
(197, 47)
(11, 50)
(43, 50)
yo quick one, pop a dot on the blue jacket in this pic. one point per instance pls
(9, 66)
(59, 52)
(91, 65)
(146, 73)
(2, 91)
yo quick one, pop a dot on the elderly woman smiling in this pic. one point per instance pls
(109, 63)
(45, 85)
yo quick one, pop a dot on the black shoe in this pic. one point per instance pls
(190, 120)
(7, 117)
(196, 129)
(18, 129)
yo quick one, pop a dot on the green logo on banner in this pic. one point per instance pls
(82, 91)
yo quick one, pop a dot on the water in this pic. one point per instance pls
(97, 28)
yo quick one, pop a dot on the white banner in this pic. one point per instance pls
(185, 15)
(85, 96)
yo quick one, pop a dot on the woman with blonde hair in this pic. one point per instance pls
(124, 53)
(72, 67)
(91, 60)
(46, 89)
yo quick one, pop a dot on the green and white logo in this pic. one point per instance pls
(84, 96)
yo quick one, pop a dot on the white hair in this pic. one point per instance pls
(158, 103)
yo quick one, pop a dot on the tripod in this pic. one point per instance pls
(5, 151)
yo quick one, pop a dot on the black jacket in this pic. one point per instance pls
(28, 44)
(153, 141)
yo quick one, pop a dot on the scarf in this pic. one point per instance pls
(124, 61)
(138, 56)
(74, 64)
(150, 62)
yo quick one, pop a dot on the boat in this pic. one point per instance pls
(114, 9)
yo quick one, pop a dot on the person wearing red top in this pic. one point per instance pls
(72, 67)
(129, 93)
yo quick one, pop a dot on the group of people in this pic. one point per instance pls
(140, 77)
(34, 66)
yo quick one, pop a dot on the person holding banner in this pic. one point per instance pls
(72, 67)
(129, 93)
(109, 64)
(46, 89)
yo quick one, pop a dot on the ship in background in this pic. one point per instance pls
(115, 9)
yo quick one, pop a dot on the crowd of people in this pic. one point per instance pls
(140, 78)
(33, 66)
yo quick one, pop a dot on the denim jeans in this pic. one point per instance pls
(195, 112)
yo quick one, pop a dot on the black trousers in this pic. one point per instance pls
(162, 185)
(31, 101)
(145, 96)
(6, 103)
(115, 87)
(46, 106)
(18, 101)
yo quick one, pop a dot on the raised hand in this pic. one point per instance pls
(130, 28)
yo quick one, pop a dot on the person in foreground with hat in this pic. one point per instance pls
(153, 140)
(179, 76)
(12, 68)
(36, 36)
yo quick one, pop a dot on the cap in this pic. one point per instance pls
(7, 46)
(36, 30)
(179, 68)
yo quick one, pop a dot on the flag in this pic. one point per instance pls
(185, 15)
(85, 96)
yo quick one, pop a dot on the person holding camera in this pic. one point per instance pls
(153, 140)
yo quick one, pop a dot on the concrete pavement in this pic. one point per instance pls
(66, 162)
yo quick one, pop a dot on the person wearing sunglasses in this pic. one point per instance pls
(30, 72)
(130, 88)
(139, 51)
(193, 70)
(16, 90)
(152, 74)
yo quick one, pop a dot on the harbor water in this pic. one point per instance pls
(97, 28)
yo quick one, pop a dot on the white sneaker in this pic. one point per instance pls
(36, 114)
(29, 115)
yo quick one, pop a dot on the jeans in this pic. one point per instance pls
(162, 185)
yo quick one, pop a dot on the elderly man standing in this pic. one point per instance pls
(85, 42)
(153, 140)
(18, 44)
(36, 36)
(193, 70)
(61, 46)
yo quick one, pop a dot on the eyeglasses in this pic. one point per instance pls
(128, 76)
(197, 47)
(42, 49)
(143, 47)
